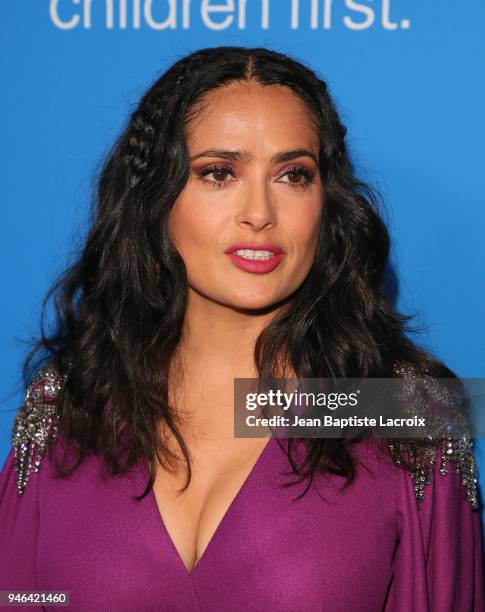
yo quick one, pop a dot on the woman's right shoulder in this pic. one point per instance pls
(20, 487)
(35, 424)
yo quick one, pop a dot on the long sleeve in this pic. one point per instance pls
(438, 565)
(20, 514)
(19, 530)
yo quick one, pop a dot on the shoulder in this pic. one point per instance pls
(36, 423)
(444, 464)
(445, 459)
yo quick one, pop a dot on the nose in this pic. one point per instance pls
(257, 211)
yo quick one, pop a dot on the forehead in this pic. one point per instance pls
(246, 109)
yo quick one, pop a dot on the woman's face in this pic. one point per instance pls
(246, 223)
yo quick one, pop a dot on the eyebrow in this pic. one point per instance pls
(245, 156)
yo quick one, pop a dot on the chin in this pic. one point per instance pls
(243, 298)
(256, 303)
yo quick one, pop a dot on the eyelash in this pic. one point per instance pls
(306, 174)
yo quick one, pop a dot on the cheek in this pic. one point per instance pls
(304, 234)
(196, 228)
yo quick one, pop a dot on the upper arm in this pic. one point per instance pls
(20, 483)
(438, 565)
(19, 530)
(450, 524)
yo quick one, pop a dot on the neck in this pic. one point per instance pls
(220, 339)
(217, 346)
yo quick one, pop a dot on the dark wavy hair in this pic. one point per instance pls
(120, 306)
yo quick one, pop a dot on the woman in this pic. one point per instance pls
(230, 240)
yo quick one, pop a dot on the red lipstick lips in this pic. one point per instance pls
(248, 262)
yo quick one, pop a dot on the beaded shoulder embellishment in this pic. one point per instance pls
(35, 423)
(456, 448)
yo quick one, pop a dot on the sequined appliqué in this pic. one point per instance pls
(34, 424)
(455, 450)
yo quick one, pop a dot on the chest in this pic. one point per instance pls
(270, 550)
(191, 516)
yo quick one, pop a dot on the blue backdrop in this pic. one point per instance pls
(407, 78)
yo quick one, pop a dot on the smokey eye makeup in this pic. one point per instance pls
(304, 177)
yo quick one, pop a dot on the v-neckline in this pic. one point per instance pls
(251, 474)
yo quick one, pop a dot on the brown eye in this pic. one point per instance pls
(220, 174)
(295, 176)
(298, 177)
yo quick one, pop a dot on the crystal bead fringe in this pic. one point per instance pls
(456, 449)
(34, 424)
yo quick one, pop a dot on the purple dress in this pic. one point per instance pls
(369, 547)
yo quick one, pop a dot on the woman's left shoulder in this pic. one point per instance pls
(444, 459)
